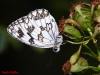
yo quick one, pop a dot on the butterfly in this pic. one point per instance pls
(38, 29)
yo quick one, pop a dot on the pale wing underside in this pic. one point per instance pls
(37, 29)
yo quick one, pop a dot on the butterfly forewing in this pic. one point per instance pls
(37, 29)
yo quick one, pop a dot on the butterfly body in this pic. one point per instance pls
(37, 29)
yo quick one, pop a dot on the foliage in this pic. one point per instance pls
(82, 27)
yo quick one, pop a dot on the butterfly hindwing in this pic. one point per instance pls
(37, 29)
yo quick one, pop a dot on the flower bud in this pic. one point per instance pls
(96, 31)
(80, 65)
(75, 56)
(96, 10)
(75, 64)
(69, 28)
(97, 15)
(81, 13)
(72, 32)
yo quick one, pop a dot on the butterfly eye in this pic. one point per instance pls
(56, 49)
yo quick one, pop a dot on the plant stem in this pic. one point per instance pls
(93, 54)
(97, 69)
(90, 32)
(97, 47)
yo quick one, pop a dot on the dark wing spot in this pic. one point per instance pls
(15, 22)
(30, 28)
(23, 19)
(40, 37)
(52, 20)
(40, 15)
(31, 40)
(20, 32)
(42, 29)
(48, 26)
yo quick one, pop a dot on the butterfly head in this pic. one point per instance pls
(56, 49)
(58, 42)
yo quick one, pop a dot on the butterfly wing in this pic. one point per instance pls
(37, 29)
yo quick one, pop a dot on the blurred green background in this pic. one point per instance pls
(27, 60)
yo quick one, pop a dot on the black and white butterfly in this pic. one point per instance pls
(38, 29)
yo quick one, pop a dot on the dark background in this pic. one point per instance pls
(27, 60)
